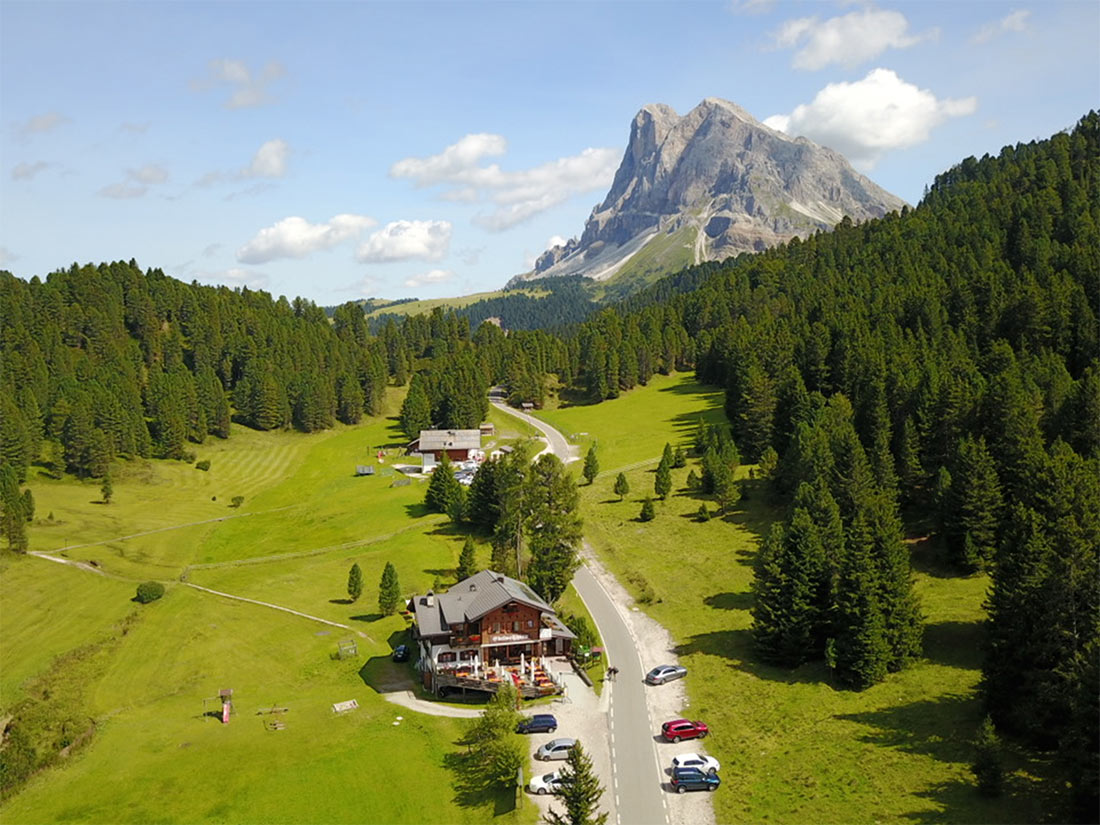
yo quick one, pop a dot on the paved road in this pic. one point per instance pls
(636, 773)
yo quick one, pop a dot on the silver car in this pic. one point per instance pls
(665, 673)
(555, 749)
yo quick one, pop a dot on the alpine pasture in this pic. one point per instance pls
(128, 681)
(793, 746)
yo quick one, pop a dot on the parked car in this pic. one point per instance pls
(693, 779)
(547, 783)
(555, 749)
(401, 653)
(539, 723)
(707, 764)
(678, 729)
(665, 673)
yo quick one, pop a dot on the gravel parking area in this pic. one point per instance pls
(655, 647)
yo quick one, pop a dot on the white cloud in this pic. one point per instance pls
(849, 40)
(123, 190)
(751, 6)
(7, 256)
(249, 89)
(296, 237)
(137, 182)
(1013, 22)
(235, 277)
(516, 195)
(148, 174)
(433, 276)
(269, 160)
(42, 123)
(556, 240)
(407, 240)
(211, 250)
(867, 118)
(26, 171)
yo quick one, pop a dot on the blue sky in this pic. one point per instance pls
(346, 150)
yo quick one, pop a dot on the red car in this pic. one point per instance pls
(679, 729)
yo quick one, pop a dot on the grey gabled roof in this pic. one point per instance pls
(432, 440)
(471, 599)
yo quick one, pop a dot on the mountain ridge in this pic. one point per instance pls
(717, 182)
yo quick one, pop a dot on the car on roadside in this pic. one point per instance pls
(555, 749)
(539, 723)
(665, 673)
(693, 779)
(676, 730)
(547, 783)
(707, 764)
(401, 653)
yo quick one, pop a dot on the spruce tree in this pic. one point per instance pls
(580, 792)
(482, 504)
(622, 486)
(106, 489)
(467, 560)
(988, 767)
(13, 521)
(858, 651)
(591, 465)
(553, 527)
(355, 582)
(679, 458)
(443, 490)
(662, 481)
(974, 507)
(648, 513)
(389, 591)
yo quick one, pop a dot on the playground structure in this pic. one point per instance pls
(224, 701)
(347, 649)
(276, 721)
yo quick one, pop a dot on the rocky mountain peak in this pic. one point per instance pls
(719, 181)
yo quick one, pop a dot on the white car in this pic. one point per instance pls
(547, 783)
(707, 764)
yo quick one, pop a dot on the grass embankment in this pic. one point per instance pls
(794, 748)
(153, 756)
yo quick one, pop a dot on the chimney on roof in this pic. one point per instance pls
(500, 579)
(429, 600)
(473, 586)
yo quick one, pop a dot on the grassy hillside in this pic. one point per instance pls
(794, 747)
(428, 304)
(76, 649)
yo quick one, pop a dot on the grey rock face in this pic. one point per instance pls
(737, 183)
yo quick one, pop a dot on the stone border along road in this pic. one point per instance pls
(634, 643)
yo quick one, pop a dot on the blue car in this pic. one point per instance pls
(693, 779)
(539, 723)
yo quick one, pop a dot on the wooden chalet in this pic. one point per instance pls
(457, 444)
(486, 630)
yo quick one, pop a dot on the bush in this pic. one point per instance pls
(703, 514)
(586, 636)
(642, 585)
(149, 592)
(236, 501)
(202, 465)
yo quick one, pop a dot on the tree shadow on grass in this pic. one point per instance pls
(943, 729)
(730, 601)
(417, 510)
(366, 617)
(737, 647)
(383, 675)
(472, 788)
(573, 397)
(339, 601)
(928, 555)
(954, 644)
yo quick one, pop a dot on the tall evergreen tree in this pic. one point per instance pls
(443, 491)
(591, 464)
(355, 582)
(662, 481)
(389, 591)
(467, 560)
(553, 527)
(973, 506)
(858, 652)
(580, 792)
(622, 486)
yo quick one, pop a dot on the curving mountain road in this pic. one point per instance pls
(635, 770)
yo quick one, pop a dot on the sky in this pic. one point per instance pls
(338, 151)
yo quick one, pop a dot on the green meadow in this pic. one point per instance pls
(127, 681)
(794, 747)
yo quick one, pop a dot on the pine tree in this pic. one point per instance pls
(858, 652)
(622, 486)
(679, 458)
(974, 506)
(467, 560)
(662, 481)
(106, 489)
(789, 572)
(13, 521)
(553, 527)
(355, 582)
(591, 465)
(580, 792)
(702, 514)
(443, 490)
(988, 767)
(510, 532)
(416, 413)
(648, 513)
(389, 591)
(482, 504)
